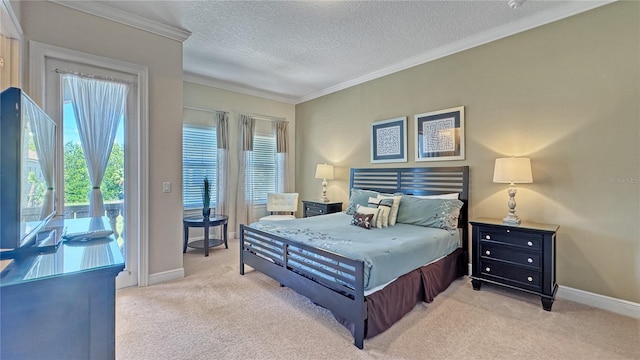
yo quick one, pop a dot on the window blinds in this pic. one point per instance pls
(199, 155)
(262, 168)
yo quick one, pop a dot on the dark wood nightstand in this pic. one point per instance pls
(520, 257)
(314, 208)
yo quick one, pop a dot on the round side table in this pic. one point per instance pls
(206, 223)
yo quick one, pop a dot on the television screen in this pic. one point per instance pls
(27, 172)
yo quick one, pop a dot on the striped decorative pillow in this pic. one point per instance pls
(384, 206)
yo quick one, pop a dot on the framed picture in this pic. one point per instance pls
(389, 140)
(440, 135)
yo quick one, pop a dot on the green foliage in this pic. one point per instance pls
(113, 182)
(76, 176)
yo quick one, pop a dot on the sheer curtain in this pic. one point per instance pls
(222, 173)
(44, 140)
(244, 196)
(281, 129)
(98, 106)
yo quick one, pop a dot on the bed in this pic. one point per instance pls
(333, 273)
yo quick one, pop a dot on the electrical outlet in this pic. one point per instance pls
(166, 187)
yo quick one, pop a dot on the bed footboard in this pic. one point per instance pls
(326, 278)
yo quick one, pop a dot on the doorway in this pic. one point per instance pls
(125, 200)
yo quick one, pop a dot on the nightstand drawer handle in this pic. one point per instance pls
(321, 210)
(529, 243)
(530, 278)
(529, 260)
(487, 269)
(487, 237)
(508, 230)
(488, 252)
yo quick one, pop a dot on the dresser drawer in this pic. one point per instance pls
(511, 275)
(497, 251)
(521, 239)
(312, 210)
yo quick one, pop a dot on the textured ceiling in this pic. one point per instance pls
(297, 50)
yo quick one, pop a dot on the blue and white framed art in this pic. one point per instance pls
(440, 135)
(389, 140)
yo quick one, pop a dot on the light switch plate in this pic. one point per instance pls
(166, 187)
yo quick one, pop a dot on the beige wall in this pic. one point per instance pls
(235, 103)
(53, 24)
(566, 95)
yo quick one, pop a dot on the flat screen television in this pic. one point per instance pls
(27, 174)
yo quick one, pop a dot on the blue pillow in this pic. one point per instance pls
(359, 197)
(435, 213)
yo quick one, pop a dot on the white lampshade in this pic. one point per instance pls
(512, 170)
(324, 171)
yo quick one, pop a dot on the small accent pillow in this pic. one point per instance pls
(435, 213)
(362, 220)
(384, 207)
(367, 210)
(359, 197)
(393, 213)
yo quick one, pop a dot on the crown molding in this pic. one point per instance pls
(224, 85)
(9, 22)
(138, 22)
(543, 18)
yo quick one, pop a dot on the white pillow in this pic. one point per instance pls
(440, 196)
(367, 210)
(393, 214)
(383, 214)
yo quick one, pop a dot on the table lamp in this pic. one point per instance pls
(512, 171)
(324, 172)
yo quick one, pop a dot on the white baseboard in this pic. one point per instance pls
(607, 303)
(618, 306)
(169, 275)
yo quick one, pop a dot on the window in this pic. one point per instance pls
(263, 168)
(199, 158)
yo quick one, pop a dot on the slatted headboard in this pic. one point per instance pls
(419, 181)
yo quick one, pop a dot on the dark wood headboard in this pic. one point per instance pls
(419, 181)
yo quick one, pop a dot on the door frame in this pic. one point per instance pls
(38, 54)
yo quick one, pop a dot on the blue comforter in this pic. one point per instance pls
(387, 253)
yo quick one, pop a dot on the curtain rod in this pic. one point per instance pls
(259, 117)
(266, 117)
(202, 109)
(91, 76)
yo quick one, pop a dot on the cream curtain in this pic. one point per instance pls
(222, 173)
(98, 106)
(281, 129)
(244, 195)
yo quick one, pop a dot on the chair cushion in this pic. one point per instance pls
(277, 217)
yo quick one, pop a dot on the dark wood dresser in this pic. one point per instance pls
(314, 208)
(61, 305)
(519, 257)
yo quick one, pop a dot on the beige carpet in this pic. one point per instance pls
(215, 313)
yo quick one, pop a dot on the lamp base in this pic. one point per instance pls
(324, 191)
(511, 219)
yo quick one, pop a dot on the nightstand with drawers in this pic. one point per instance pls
(314, 208)
(519, 257)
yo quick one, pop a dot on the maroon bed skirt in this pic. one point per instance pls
(385, 307)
